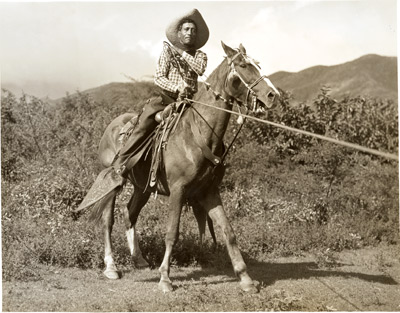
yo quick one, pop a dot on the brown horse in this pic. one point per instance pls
(189, 174)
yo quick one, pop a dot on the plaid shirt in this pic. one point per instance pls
(168, 75)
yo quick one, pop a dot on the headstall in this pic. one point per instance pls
(250, 91)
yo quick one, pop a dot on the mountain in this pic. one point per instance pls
(370, 75)
(127, 96)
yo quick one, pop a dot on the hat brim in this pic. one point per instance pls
(202, 30)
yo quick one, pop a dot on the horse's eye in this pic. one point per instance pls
(244, 65)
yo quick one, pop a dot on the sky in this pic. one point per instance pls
(50, 48)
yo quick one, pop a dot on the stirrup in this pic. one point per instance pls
(115, 157)
(120, 170)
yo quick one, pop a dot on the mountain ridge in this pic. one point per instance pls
(370, 75)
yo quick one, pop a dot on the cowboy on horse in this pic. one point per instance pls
(192, 166)
(176, 76)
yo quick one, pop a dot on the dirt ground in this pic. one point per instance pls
(360, 280)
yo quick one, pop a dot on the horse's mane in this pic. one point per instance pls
(216, 77)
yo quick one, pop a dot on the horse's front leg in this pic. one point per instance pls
(213, 205)
(176, 202)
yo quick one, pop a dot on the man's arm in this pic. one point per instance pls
(162, 70)
(198, 62)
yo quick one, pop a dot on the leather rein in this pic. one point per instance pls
(215, 160)
(250, 93)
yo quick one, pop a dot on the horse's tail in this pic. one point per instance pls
(100, 206)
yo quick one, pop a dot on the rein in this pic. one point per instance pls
(250, 93)
(250, 90)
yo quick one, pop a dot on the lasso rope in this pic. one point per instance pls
(203, 77)
(303, 132)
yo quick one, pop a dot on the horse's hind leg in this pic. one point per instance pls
(213, 205)
(107, 217)
(202, 217)
(136, 203)
(211, 229)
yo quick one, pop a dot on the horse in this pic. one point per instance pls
(192, 171)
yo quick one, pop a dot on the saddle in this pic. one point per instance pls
(150, 151)
(170, 118)
(154, 144)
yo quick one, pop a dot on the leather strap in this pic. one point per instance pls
(199, 139)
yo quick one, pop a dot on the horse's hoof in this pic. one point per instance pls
(165, 286)
(141, 263)
(249, 287)
(111, 274)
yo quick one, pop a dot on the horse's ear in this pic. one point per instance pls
(242, 49)
(228, 50)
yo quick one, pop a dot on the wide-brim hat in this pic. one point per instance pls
(202, 33)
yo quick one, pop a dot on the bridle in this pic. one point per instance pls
(250, 92)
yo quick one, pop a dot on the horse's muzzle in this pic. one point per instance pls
(269, 101)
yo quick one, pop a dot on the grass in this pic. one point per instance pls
(286, 284)
(285, 195)
(279, 216)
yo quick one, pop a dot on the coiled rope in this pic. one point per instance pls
(303, 132)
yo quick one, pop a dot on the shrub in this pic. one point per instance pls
(285, 194)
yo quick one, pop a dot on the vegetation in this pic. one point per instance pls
(285, 194)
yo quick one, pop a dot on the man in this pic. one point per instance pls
(176, 75)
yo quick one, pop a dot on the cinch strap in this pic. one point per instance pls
(199, 139)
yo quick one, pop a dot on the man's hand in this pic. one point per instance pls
(183, 87)
(185, 91)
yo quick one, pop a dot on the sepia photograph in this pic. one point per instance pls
(199, 156)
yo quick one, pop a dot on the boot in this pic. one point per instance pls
(126, 130)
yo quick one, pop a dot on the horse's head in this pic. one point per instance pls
(244, 81)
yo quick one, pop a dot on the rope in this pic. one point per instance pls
(236, 135)
(303, 132)
(203, 77)
(339, 294)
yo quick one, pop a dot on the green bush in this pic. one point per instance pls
(285, 194)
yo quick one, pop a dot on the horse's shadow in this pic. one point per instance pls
(267, 273)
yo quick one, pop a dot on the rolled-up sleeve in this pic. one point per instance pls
(198, 62)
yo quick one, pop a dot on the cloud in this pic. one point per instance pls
(295, 35)
(265, 15)
(87, 44)
(150, 47)
(71, 44)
